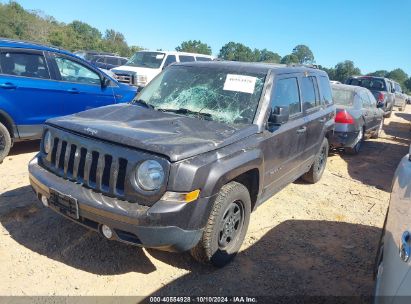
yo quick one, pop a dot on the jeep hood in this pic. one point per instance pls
(175, 136)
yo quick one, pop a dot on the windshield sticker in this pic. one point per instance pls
(240, 83)
(160, 56)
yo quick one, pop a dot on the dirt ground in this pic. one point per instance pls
(307, 240)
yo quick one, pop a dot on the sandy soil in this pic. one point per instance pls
(309, 239)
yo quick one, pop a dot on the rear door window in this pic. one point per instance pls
(203, 58)
(309, 90)
(184, 58)
(24, 65)
(287, 94)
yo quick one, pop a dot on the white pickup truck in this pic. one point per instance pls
(143, 66)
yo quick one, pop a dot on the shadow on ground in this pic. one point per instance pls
(25, 147)
(294, 258)
(47, 233)
(376, 163)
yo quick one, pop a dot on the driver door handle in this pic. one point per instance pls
(302, 130)
(73, 91)
(7, 85)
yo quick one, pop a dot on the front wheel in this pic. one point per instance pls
(5, 142)
(226, 226)
(318, 167)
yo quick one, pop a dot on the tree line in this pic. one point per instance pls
(18, 23)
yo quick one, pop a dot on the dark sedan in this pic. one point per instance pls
(357, 117)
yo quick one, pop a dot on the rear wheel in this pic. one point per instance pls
(226, 226)
(5, 142)
(318, 167)
(356, 149)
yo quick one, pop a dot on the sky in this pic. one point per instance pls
(375, 34)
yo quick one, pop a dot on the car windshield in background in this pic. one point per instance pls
(150, 60)
(212, 94)
(343, 97)
(369, 83)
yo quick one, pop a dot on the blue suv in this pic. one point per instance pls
(38, 82)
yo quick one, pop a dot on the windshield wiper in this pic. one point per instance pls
(185, 111)
(143, 103)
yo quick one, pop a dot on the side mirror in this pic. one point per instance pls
(105, 82)
(279, 115)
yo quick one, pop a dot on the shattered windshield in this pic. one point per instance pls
(206, 93)
(150, 60)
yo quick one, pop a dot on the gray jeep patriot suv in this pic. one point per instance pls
(182, 166)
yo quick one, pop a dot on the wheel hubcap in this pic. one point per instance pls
(231, 224)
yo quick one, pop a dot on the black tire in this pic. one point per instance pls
(377, 133)
(356, 149)
(5, 142)
(318, 167)
(226, 226)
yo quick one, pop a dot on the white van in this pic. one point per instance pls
(143, 66)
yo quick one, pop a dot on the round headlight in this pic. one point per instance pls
(150, 175)
(47, 142)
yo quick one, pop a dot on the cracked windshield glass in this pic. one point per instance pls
(206, 93)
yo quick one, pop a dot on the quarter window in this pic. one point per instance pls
(24, 64)
(72, 71)
(308, 89)
(287, 94)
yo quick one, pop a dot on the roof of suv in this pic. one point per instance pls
(4, 42)
(255, 67)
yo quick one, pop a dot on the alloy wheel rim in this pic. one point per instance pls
(231, 224)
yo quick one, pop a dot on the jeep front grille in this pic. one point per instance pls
(92, 168)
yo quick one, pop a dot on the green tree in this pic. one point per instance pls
(344, 70)
(304, 54)
(379, 73)
(194, 46)
(290, 59)
(269, 56)
(398, 75)
(329, 71)
(236, 52)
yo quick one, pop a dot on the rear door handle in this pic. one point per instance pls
(301, 130)
(7, 85)
(73, 91)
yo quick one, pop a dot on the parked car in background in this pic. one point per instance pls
(108, 62)
(400, 98)
(382, 89)
(38, 82)
(408, 99)
(89, 55)
(143, 66)
(393, 264)
(182, 167)
(357, 117)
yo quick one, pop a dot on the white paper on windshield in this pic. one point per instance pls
(240, 83)
(160, 56)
